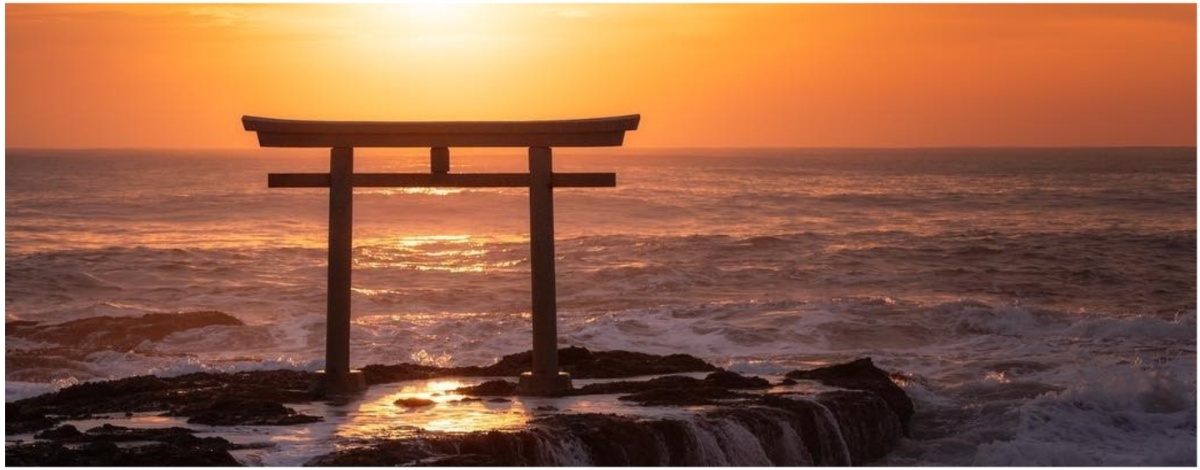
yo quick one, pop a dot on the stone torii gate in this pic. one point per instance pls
(538, 136)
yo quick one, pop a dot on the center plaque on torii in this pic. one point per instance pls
(538, 136)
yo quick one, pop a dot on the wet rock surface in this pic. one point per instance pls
(237, 411)
(581, 363)
(491, 388)
(584, 364)
(67, 446)
(861, 374)
(185, 395)
(849, 428)
(734, 419)
(735, 427)
(670, 390)
(414, 402)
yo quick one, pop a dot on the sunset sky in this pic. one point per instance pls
(181, 76)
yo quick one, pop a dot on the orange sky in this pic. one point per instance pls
(701, 75)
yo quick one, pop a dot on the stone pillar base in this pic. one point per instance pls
(340, 384)
(543, 384)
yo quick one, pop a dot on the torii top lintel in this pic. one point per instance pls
(595, 132)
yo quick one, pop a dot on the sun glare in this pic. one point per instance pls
(445, 14)
(422, 24)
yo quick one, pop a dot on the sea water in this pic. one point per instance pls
(1038, 305)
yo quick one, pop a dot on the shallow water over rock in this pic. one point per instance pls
(740, 421)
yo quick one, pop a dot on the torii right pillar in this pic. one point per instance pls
(545, 378)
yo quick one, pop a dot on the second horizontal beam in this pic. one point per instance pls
(427, 180)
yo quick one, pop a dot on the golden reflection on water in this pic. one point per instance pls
(422, 191)
(414, 241)
(445, 253)
(383, 418)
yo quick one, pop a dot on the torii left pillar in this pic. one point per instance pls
(338, 378)
(538, 136)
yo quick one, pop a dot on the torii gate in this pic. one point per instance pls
(539, 136)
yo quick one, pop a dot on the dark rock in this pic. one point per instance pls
(851, 427)
(233, 411)
(612, 441)
(820, 438)
(413, 402)
(388, 453)
(677, 390)
(584, 364)
(491, 388)
(462, 460)
(788, 382)
(726, 379)
(862, 374)
(680, 396)
(380, 374)
(835, 429)
(21, 420)
(861, 418)
(111, 433)
(838, 428)
(173, 447)
(579, 362)
(668, 382)
(426, 453)
(149, 393)
(65, 432)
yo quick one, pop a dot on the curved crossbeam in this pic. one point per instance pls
(593, 132)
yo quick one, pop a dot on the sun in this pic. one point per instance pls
(438, 13)
(435, 28)
(425, 17)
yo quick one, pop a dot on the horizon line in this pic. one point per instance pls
(764, 147)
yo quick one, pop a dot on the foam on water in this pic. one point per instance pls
(1124, 415)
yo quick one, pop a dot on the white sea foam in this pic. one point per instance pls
(1120, 415)
(15, 390)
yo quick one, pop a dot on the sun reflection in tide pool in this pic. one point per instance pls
(382, 417)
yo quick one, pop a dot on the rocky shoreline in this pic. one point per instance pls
(737, 420)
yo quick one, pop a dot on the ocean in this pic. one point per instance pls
(1038, 305)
